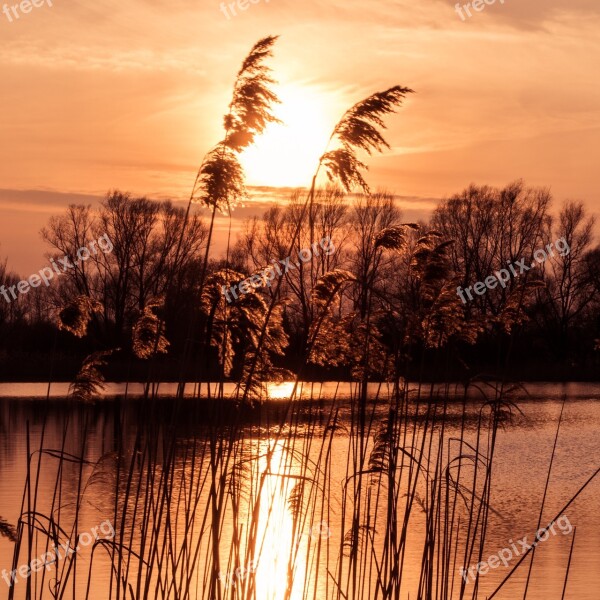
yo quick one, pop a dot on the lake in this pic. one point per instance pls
(276, 450)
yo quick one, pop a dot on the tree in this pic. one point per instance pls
(491, 228)
(371, 267)
(320, 234)
(570, 287)
(146, 261)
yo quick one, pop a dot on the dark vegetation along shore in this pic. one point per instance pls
(546, 320)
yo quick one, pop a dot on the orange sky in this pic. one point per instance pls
(107, 94)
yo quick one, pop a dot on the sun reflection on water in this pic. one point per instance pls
(276, 537)
(280, 391)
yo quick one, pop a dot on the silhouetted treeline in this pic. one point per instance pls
(541, 324)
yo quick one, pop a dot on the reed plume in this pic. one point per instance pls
(7, 530)
(393, 238)
(235, 328)
(89, 381)
(359, 129)
(76, 315)
(250, 110)
(148, 333)
(220, 180)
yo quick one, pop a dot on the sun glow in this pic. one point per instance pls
(280, 391)
(286, 155)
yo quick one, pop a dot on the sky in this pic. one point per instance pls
(99, 95)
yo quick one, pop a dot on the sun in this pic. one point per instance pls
(287, 153)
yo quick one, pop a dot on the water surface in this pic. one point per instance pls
(522, 456)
